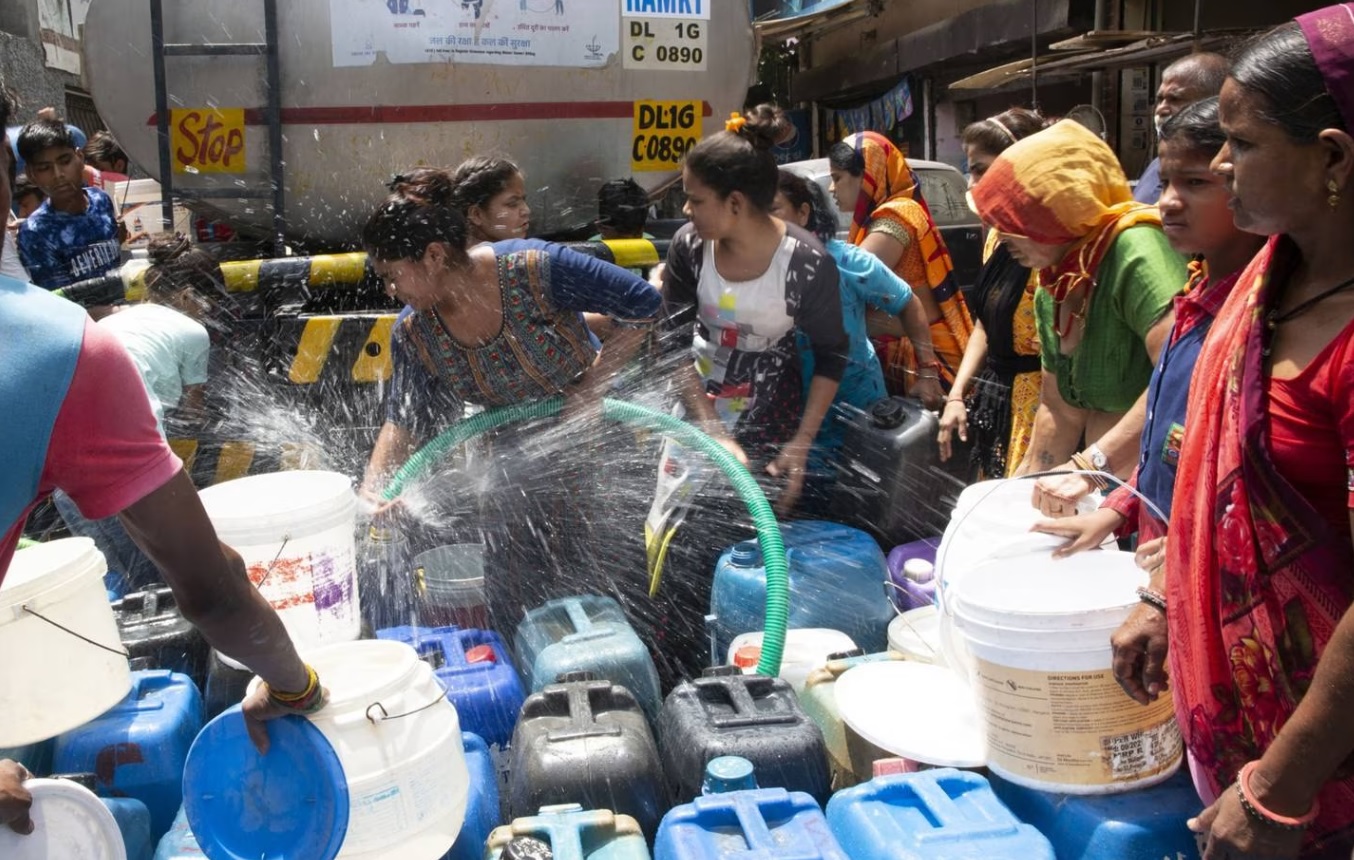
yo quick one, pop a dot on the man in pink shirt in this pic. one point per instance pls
(79, 418)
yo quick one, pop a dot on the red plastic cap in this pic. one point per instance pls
(481, 654)
(747, 656)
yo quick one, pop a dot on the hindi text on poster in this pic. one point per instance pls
(663, 132)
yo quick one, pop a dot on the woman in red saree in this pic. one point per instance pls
(1260, 563)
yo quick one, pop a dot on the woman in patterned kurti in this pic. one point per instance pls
(872, 180)
(497, 325)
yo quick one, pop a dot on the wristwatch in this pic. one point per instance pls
(1098, 458)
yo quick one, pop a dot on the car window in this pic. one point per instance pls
(944, 193)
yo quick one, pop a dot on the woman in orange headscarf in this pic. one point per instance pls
(872, 180)
(1107, 277)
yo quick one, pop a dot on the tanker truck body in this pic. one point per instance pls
(576, 91)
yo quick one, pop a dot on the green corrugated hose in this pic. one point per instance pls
(763, 518)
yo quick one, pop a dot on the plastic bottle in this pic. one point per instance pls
(385, 579)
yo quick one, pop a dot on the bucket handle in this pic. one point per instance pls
(121, 652)
(286, 538)
(386, 715)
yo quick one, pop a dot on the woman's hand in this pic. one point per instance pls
(374, 505)
(1057, 495)
(15, 801)
(927, 389)
(1140, 654)
(258, 709)
(1232, 834)
(953, 420)
(790, 464)
(1083, 532)
(1151, 556)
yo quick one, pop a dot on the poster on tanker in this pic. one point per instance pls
(573, 33)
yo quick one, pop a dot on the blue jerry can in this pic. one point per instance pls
(482, 809)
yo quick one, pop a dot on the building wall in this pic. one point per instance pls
(23, 62)
(899, 18)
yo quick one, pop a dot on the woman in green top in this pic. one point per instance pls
(1107, 277)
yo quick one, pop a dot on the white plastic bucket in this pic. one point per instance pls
(916, 635)
(295, 533)
(399, 742)
(806, 649)
(69, 822)
(55, 681)
(1038, 630)
(923, 714)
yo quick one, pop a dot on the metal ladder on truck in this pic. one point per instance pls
(272, 117)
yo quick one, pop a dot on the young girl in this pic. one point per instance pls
(494, 325)
(865, 283)
(491, 192)
(1198, 222)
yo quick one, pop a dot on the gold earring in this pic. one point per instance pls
(1333, 201)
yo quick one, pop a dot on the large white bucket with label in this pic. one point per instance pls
(295, 531)
(1038, 631)
(398, 739)
(64, 663)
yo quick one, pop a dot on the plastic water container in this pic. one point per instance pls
(575, 834)
(935, 814)
(836, 582)
(804, 652)
(482, 813)
(37, 757)
(1140, 825)
(179, 843)
(153, 629)
(754, 717)
(890, 479)
(134, 824)
(586, 634)
(1039, 632)
(138, 747)
(225, 688)
(912, 574)
(61, 581)
(916, 635)
(68, 822)
(475, 668)
(588, 742)
(850, 756)
(399, 742)
(295, 531)
(451, 583)
(733, 821)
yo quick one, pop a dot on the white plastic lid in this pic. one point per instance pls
(1035, 590)
(916, 633)
(256, 508)
(915, 710)
(41, 568)
(68, 822)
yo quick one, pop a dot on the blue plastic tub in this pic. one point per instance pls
(575, 834)
(479, 675)
(837, 576)
(586, 634)
(482, 807)
(138, 748)
(1147, 824)
(761, 824)
(943, 814)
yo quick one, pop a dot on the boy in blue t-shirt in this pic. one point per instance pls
(75, 234)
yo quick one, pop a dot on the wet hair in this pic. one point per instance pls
(1279, 67)
(478, 180)
(176, 264)
(994, 134)
(1203, 72)
(418, 212)
(7, 106)
(1196, 128)
(800, 191)
(741, 160)
(23, 186)
(44, 134)
(103, 148)
(623, 206)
